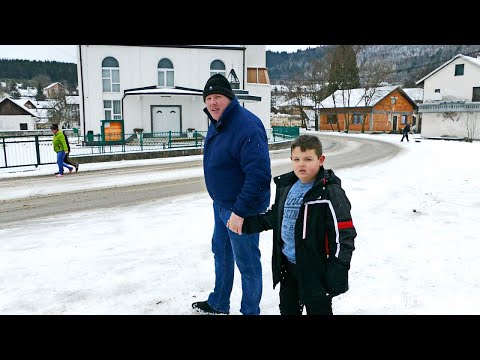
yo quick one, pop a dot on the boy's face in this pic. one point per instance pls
(306, 164)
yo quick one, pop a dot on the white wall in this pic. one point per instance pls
(12, 122)
(259, 108)
(453, 87)
(138, 68)
(435, 125)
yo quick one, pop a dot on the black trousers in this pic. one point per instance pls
(289, 295)
(69, 161)
(405, 135)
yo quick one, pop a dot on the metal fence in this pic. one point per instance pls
(37, 150)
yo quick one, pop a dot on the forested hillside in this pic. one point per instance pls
(409, 62)
(30, 73)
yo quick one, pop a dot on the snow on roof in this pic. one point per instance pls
(356, 97)
(53, 84)
(72, 100)
(19, 103)
(294, 102)
(416, 94)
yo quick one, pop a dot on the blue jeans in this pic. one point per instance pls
(60, 163)
(230, 248)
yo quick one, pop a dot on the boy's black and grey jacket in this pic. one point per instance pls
(324, 235)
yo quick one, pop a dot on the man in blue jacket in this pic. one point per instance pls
(236, 165)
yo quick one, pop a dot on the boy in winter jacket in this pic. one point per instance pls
(313, 232)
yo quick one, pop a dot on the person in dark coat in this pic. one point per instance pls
(406, 131)
(236, 167)
(313, 232)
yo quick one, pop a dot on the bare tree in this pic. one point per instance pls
(373, 75)
(343, 78)
(471, 126)
(297, 96)
(317, 90)
(61, 112)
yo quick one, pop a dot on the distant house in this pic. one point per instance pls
(451, 99)
(382, 109)
(14, 116)
(55, 89)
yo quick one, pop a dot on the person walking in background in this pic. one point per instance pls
(67, 159)
(406, 131)
(61, 148)
(313, 232)
(236, 165)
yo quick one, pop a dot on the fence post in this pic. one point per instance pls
(169, 139)
(37, 149)
(5, 151)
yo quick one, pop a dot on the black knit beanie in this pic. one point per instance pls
(218, 84)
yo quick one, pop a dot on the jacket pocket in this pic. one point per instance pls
(336, 277)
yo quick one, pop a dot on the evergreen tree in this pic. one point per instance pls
(15, 94)
(343, 69)
(40, 95)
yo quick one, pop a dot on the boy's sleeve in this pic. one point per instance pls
(341, 235)
(258, 223)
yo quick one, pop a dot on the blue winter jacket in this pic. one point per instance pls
(236, 161)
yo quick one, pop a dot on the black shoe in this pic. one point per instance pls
(202, 306)
(56, 173)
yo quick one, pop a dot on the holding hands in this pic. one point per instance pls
(235, 223)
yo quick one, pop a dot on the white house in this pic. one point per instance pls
(451, 99)
(14, 116)
(159, 88)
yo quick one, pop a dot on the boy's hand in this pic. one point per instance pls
(235, 223)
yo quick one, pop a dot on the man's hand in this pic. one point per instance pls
(235, 223)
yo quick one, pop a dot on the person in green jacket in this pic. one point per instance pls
(61, 148)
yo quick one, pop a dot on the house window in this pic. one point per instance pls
(23, 126)
(459, 69)
(476, 94)
(332, 119)
(165, 73)
(404, 119)
(257, 76)
(112, 110)
(357, 118)
(437, 91)
(217, 67)
(110, 75)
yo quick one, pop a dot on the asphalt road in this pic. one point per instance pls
(340, 151)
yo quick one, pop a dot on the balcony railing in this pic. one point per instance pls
(449, 107)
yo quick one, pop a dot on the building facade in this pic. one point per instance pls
(381, 109)
(159, 88)
(451, 103)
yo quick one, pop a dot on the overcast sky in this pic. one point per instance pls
(416, 252)
(67, 53)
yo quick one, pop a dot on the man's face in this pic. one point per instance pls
(306, 164)
(216, 104)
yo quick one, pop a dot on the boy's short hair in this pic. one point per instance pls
(307, 142)
(54, 127)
